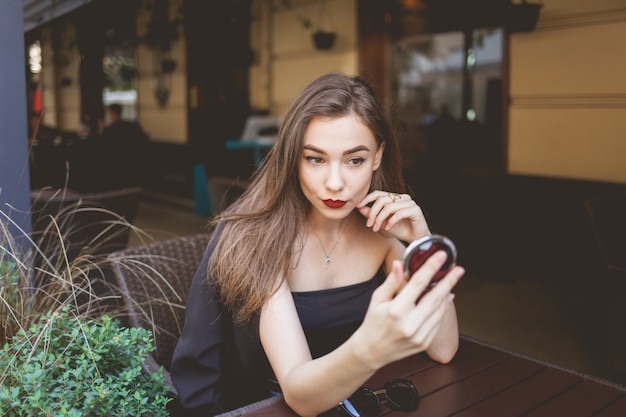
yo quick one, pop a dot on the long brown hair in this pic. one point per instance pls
(260, 233)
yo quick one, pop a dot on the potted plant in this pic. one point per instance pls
(322, 35)
(162, 31)
(324, 40)
(522, 17)
(68, 365)
(61, 351)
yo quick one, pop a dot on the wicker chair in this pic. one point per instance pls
(98, 223)
(154, 280)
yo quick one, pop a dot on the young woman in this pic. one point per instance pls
(302, 281)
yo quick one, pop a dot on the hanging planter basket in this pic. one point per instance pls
(324, 40)
(168, 65)
(523, 17)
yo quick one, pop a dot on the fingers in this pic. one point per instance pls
(421, 278)
(387, 209)
(390, 197)
(424, 333)
(402, 324)
(428, 314)
(421, 314)
(392, 213)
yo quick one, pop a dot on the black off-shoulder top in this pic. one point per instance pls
(330, 316)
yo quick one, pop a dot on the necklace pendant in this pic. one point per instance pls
(327, 260)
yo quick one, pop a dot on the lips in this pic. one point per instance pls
(335, 203)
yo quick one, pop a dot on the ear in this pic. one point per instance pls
(378, 156)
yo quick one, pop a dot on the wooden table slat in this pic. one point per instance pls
(467, 392)
(407, 366)
(523, 396)
(615, 409)
(416, 364)
(585, 399)
(461, 367)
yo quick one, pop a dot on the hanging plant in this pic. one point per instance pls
(168, 65)
(161, 33)
(323, 36)
(522, 17)
(324, 40)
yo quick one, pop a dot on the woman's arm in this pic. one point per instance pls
(308, 386)
(446, 342)
(394, 327)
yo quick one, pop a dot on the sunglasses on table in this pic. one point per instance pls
(399, 394)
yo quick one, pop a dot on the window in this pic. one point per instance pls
(447, 89)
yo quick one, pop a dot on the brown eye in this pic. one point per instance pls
(356, 161)
(314, 160)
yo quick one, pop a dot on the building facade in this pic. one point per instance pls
(548, 101)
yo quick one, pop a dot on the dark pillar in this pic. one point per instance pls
(90, 28)
(14, 172)
(217, 73)
(373, 40)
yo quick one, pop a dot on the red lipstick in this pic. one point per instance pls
(335, 203)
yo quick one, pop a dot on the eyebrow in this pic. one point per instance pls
(346, 152)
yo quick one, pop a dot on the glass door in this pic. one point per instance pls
(447, 89)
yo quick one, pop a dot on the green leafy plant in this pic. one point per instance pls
(67, 366)
(62, 353)
(322, 35)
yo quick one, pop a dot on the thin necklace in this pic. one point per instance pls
(328, 253)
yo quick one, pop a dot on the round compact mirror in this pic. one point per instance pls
(421, 249)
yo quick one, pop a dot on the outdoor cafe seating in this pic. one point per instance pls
(153, 280)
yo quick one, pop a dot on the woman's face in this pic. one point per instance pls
(338, 160)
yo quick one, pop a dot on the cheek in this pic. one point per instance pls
(307, 179)
(361, 184)
(302, 179)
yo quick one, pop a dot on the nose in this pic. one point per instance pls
(334, 178)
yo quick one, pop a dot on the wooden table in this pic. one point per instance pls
(485, 381)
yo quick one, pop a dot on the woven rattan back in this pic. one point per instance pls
(154, 280)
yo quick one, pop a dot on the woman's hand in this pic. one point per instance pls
(393, 214)
(396, 325)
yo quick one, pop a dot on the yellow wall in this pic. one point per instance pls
(567, 114)
(285, 58)
(61, 103)
(48, 83)
(167, 124)
(69, 95)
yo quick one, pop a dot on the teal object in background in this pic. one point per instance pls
(203, 205)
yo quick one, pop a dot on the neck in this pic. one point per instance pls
(324, 226)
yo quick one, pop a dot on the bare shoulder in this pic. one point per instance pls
(384, 248)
